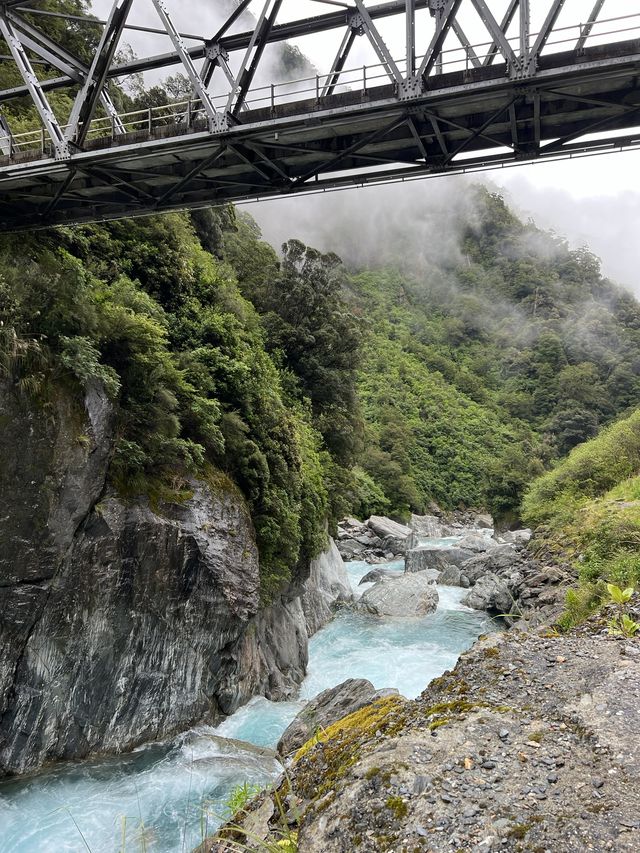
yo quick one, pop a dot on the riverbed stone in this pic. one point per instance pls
(407, 595)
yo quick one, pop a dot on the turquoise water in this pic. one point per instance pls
(166, 796)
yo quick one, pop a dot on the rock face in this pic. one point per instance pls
(326, 708)
(121, 623)
(328, 583)
(406, 595)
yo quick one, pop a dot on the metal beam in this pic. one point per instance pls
(472, 56)
(504, 26)
(32, 83)
(61, 59)
(545, 32)
(194, 78)
(339, 62)
(256, 47)
(87, 98)
(6, 137)
(497, 34)
(585, 31)
(411, 38)
(378, 44)
(525, 29)
(443, 25)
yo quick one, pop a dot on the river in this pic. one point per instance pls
(164, 798)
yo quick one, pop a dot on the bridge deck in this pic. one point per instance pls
(466, 119)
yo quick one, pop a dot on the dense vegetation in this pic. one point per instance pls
(319, 389)
(587, 510)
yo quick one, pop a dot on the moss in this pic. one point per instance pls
(372, 772)
(536, 737)
(340, 745)
(398, 806)
(492, 652)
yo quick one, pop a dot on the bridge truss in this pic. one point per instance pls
(449, 103)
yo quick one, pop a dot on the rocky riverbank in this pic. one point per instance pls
(532, 743)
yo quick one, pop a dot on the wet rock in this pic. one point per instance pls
(328, 707)
(407, 595)
(496, 561)
(327, 585)
(123, 623)
(376, 575)
(453, 576)
(430, 557)
(477, 543)
(395, 537)
(427, 526)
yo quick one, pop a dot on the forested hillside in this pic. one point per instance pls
(399, 379)
(479, 368)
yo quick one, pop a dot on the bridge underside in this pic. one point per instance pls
(577, 102)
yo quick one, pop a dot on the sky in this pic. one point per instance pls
(592, 201)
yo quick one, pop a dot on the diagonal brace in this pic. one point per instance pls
(498, 35)
(32, 83)
(377, 42)
(59, 58)
(443, 26)
(216, 122)
(87, 98)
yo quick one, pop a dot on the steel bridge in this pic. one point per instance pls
(457, 99)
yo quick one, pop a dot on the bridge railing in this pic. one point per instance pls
(184, 114)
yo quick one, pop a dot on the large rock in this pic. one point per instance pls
(351, 549)
(396, 538)
(327, 585)
(376, 575)
(453, 576)
(490, 593)
(430, 557)
(517, 537)
(497, 561)
(477, 543)
(427, 526)
(122, 623)
(406, 595)
(328, 707)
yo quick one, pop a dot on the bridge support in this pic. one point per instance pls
(40, 101)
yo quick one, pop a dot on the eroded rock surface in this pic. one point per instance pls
(405, 595)
(121, 623)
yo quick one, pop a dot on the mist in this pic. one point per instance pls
(421, 221)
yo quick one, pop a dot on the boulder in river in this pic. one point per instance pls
(376, 575)
(427, 526)
(497, 560)
(432, 557)
(328, 707)
(517, 537)
(407, 595)
(477, 542)
(395, 537)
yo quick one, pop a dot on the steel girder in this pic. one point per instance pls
(512, 102)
